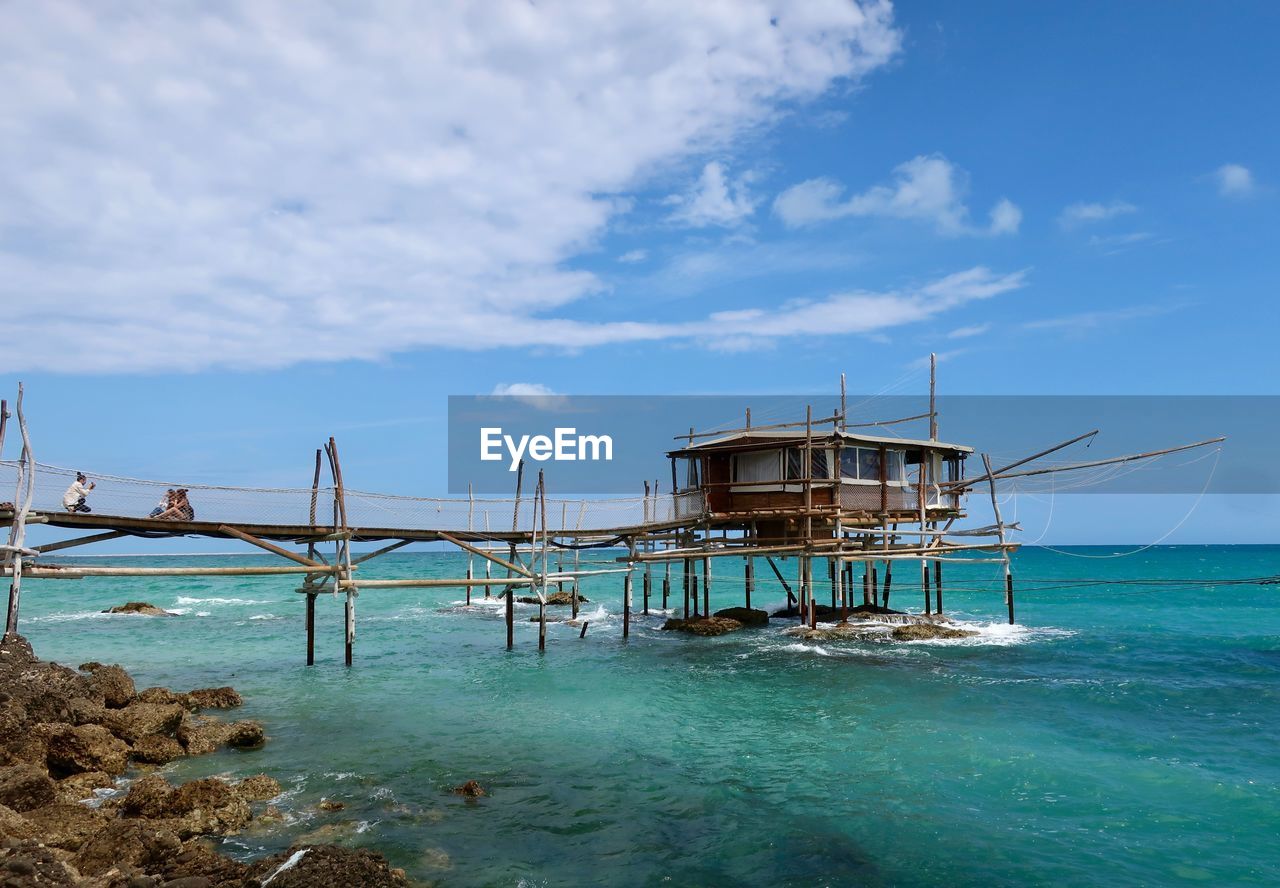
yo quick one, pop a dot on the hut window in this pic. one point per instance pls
(687, 471)
(863, 464)
(765, 465)
(821, 464)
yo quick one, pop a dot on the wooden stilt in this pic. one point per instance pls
(685, 566)
(937, 584)
(311, 628)
(626, 605)
(750, 578)
(706, 587)
(813, 604)
(924, 582)
(510, 593)
(831, 573)
(888, 581)
(647, 582)
(666, 585)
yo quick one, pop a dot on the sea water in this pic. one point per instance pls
(1124, 731)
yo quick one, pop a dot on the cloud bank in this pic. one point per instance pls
(255, 184)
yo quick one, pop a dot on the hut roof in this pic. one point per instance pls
(754, 439)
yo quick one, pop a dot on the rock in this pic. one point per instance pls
(922, 631)
(14, 825)
(147, 797)
(706, 626)
(66, 826)
(163, 696)
(34, 866)
(78, 787)
(331, 805)
(557, 598)
(137, 720)
(838, 632)
(139, 607)
(125, 843)
(745, 615)
(200, 735)
(206, 806)
(471, 789)
(75, 750)
(83, 711)
(246, 735)
(156, 749)
(114, 685)
(91, 666)
(258, 788)
(25, 787)
(214, 698)
(324, 866)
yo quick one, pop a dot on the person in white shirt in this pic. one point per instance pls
(73, 499)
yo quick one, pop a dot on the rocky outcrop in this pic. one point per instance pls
(745, 615)
(84, 728)
(705, 626)
(556, 598)
(471, 789)
(920, 630)
(139, 607)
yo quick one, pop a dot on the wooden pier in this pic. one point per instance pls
(821, 490)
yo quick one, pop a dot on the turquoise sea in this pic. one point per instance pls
(1123, 733)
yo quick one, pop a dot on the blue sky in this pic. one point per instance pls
(225, 236)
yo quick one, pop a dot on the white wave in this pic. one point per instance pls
(264, 617)
(76, 615)
(185, 599)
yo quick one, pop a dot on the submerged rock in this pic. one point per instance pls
(259, 788)
(878, 631)
(246, 735)
(471, 789)
(706, 626)
(331, 805)
(745, 615)
(556, 598)
(139, 607)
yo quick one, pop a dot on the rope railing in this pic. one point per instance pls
(120, 496)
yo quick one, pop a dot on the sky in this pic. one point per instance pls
(228, 232)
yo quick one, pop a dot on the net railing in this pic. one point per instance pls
(116, 496)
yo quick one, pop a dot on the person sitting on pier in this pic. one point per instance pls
(180, 508)
(74, 499)
(165, 502)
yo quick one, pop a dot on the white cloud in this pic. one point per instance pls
(1084, 322)
(633, 256)
(1083, 213)
(969, 331)
(533, 393)
(1234, 180)
(928, 188)
(714, 199)
(254, 184)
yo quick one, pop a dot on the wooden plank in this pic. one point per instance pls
(266, 546)
(81, 541)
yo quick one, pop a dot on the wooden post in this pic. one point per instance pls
(706, 587)
(471, 507)
(626, 604)
(18, 530)
(542, 576)
(808, 581)
(866, 583)
(311, 628)
(888, 581)
(875, 586)
(510, 593)
(648, 586)
(924, 582)
(933, 397)
(995, 507)
(685, 565)
(844, 592)
(693, 582)
(937, 584)
(750, 577)
(831, 574)
(666, 584)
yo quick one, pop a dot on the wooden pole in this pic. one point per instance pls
(808, 581)
(626, 589)
(542, 585)
(18, 530)
(706, 587)
(933, 397)
(311, 628)
(937, 584)
(750, 578)
(684, 562)
(666, 584)
(343, 553)
(995, 507)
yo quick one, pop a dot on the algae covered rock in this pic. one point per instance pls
(125, 843)
(258, 788)
(705, 626)
(137, 720)
(214, 698)
(924, 631)
(745, 615)
(246, 734)
(323, 866)
(66, 825)
(556, 598)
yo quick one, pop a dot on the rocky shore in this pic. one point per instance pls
(65, 733)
